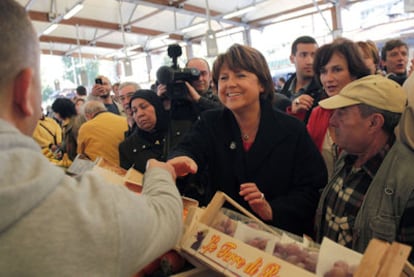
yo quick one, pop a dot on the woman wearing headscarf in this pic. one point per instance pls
(149, 140)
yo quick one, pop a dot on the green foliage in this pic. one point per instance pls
(74, 70)
(46, 93)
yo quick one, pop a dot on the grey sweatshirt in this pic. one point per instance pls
(55, 225)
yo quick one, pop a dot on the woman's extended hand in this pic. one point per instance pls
(256, 200)
(155, 163)
(183, 165)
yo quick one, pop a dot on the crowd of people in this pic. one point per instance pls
(329, 154)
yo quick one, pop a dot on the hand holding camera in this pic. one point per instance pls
(98, 90)
(193, 95)
(161, 90)
(174, 77)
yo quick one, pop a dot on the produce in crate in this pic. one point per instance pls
(341, 269)
(283, 245)
(295, 254)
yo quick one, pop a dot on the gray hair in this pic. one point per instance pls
(391, 119)
(92, 107)
(133, 84)
(198, 59)
(19, 48)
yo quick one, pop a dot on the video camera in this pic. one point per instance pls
(174, 77)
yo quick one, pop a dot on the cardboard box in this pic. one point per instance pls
(111, 172)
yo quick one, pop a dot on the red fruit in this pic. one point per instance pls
(172, 262)
(152, 267)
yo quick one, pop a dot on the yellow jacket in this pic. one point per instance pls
(100, 137)
(47, 132)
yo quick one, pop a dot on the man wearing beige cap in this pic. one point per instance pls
(370, 194)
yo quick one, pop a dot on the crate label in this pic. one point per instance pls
(234, 257)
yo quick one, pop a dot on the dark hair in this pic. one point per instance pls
(302, 39)
(241, 57)
(389, 45)
(391, 119)
(81, 90)
(64, 107)
(349, 50)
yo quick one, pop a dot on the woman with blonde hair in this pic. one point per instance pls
(370, 54)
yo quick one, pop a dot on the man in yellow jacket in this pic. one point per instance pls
(102, 133)
(48, 133)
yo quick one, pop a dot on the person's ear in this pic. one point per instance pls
(261, 89)
(376, 121)
(22, 92)
(292, 58)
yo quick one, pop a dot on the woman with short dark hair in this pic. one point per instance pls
(260, 157)
(336, 64)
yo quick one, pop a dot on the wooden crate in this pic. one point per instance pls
(383, 259)
(229, 256)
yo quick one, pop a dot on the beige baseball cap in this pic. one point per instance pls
(373, 90)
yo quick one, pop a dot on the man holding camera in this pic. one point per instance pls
(205, 98)
(200, 93)
(101, 92)
(183, 112)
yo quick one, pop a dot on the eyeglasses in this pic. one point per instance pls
(126, 97)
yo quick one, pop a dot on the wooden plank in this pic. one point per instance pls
(394, 261)
(371, 261)
(213, 208)
(408, 270)
(249, 214)
(217, 202)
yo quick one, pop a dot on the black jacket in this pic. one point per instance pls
(135, 150)
(283, 162)
(140, 146)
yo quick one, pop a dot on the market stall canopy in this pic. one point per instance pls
(109, 28)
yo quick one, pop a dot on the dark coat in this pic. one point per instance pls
(135, 150)
(70, 135)
(283, 162)
(314, 88)
(140, 146)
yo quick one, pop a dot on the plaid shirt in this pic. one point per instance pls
(346, 195)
